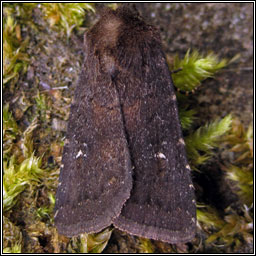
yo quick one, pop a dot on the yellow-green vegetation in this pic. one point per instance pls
(12, 237)
(15, 59)
(240, 172)
(146, 246)
(17, 177)
(97, 242)
(195, 68)
(66, 15)
(24, 172)
(232, 229)
(113, 5)
(187, 118)
(192, 70)
(90, 243)
(10, 129)
(236, 225)
(200, 143)
(41, 105)
(45, 212)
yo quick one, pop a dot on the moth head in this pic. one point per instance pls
(118, 38)
(105, 32)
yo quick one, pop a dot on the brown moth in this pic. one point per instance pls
(124, 162)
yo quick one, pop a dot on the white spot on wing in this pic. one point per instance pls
(181, 141)
(174, 97)
(79, 153)
(188, 167)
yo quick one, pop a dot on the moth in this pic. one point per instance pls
(124, 161)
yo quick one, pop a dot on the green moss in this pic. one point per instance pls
(19, 176)
(194, 69)
(200, 143)
(187, 118)
(240, 172)
(45, 212)
(97, 242)
(210, 217)
(10, 129)
(66, 15)
(41, 106)
(228, 231)
(90, 243)
(231, 229)
(15, 59)
(146, 246)
(12, 237)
